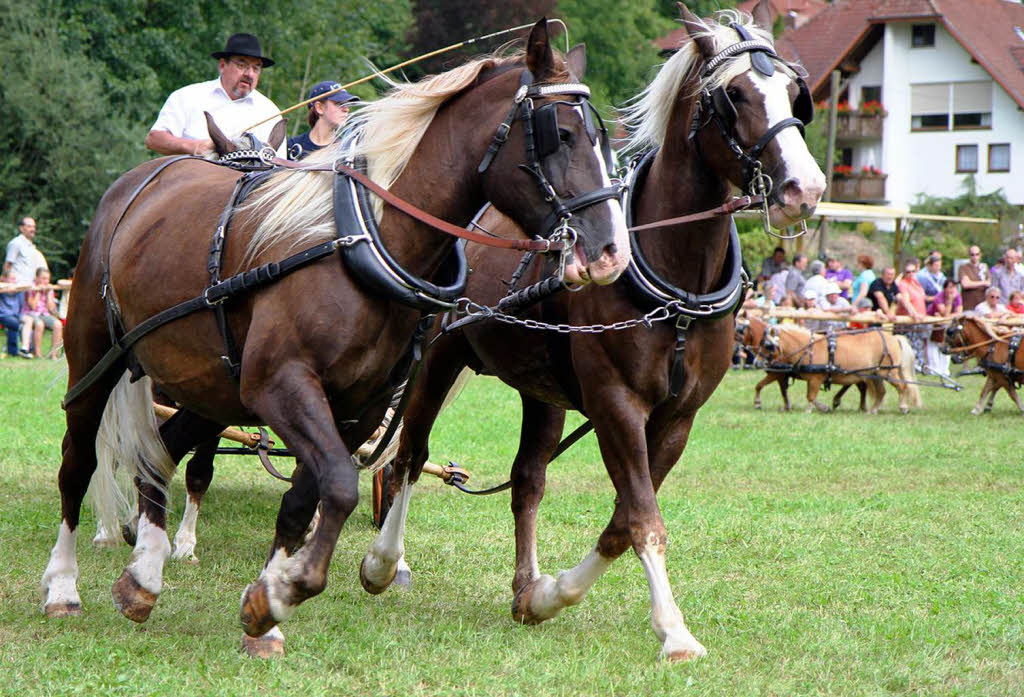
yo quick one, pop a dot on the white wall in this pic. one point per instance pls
(868, 153)
(925, 162)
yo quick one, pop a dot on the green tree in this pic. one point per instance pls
(952, 239)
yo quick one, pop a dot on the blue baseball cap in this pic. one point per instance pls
(341, 96)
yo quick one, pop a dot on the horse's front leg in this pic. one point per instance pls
(766, 380)
(198, 475)
(637, 521)
(813, 386)
(987, 390)
(293, 402)
(384, 562)
(837, 400)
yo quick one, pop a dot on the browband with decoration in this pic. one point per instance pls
(728, 52)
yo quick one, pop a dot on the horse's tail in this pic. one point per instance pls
(908, 372)
(389, 452)
(128, 445)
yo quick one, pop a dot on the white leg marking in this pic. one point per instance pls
(185, 538)
(550, 596)
(58, 585)
(666, 619)
(389, 545)
(106, 538)
(151, 551)
(277, 575)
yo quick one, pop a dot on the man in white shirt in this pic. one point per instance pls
(232, 100)
(23, 258)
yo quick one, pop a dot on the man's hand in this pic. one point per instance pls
(165, 143)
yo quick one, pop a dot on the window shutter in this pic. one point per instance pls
(929, 99)
(972, 97)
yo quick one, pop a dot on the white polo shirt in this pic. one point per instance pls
(182, 113)
(24, 258)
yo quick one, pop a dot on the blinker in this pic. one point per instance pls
(545, 129)
(761, 61)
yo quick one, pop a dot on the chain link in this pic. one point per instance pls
(465, 306)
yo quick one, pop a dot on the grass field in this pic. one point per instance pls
(812, 554)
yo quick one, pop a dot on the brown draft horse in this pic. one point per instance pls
(317, 348)
(620, 379)
(974, 337)
(866, 357)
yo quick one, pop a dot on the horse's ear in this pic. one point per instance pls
(540, 60)
(577, 60)
(698, 31)
(221, 144)
(762, 15)
(277, 134)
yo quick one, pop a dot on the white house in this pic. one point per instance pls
(949, 75)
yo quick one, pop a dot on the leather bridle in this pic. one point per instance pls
(540, 128)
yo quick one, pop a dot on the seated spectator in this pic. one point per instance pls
(863, 306)
(10, 314)
(946, 304)
(885, 295)
(816, 283)
(1016, 305)
(40, 313)
(795, 282)
(991, 306)
(840, 275)
(772, 265)
(832, 301)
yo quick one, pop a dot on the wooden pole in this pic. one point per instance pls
(830, 154)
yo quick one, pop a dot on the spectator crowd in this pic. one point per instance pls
(920, 293)
(28, 303)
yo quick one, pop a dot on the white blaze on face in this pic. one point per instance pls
(797, 161)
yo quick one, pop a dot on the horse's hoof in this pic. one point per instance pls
(403, 580)
(681, 655)
(256, 616)
(521, 612)
(54, 610)
(372, 587)
(269, 645)
(132, 600)
(128, 533)
(904, 410)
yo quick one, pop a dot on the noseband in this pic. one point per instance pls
(715, 105)
(540, 128)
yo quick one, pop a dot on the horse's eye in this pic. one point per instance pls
(735, 95)
(565, 136)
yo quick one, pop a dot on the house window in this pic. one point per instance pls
(966, 159)
(999, 157)
(929, 107)
(846, 157)
(922, 36)
(972, 104)
(870, 93)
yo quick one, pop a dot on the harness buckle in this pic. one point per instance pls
(501, 135)
(521, 93)
(213, 303)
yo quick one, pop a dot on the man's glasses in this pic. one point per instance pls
(256, 68)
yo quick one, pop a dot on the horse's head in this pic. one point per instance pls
(761, 338)
(545, 167)
(954, 340)
(751, 110)
(222, 145)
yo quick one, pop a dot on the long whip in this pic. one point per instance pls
(378, 73)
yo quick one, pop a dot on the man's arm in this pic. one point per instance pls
(969, 284)
(165, 143)
(883, 304)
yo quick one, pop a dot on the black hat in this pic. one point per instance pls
(243, 45)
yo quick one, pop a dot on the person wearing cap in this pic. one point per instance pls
(232, 99)
(325, 117)
(832, 301)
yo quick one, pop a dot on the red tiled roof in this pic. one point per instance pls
(985, 28)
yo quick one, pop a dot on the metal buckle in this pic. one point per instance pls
(501, 135)
(521, 93)
(206, 297)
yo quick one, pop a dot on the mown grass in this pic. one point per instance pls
(812, 555)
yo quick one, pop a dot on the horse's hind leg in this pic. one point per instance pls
(136, 591)
(813, 386)
(198, 475)
(59, 583)
(987, 390)
(384, 561)
(837, 400)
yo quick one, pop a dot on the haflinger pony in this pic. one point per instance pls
(640, 385)
(319, 349)
(997, 353)
(864, 356)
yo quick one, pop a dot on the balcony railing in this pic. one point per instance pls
(854, 126)
(858, 188)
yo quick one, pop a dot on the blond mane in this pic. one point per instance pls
(298, 207)
(646, 116)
